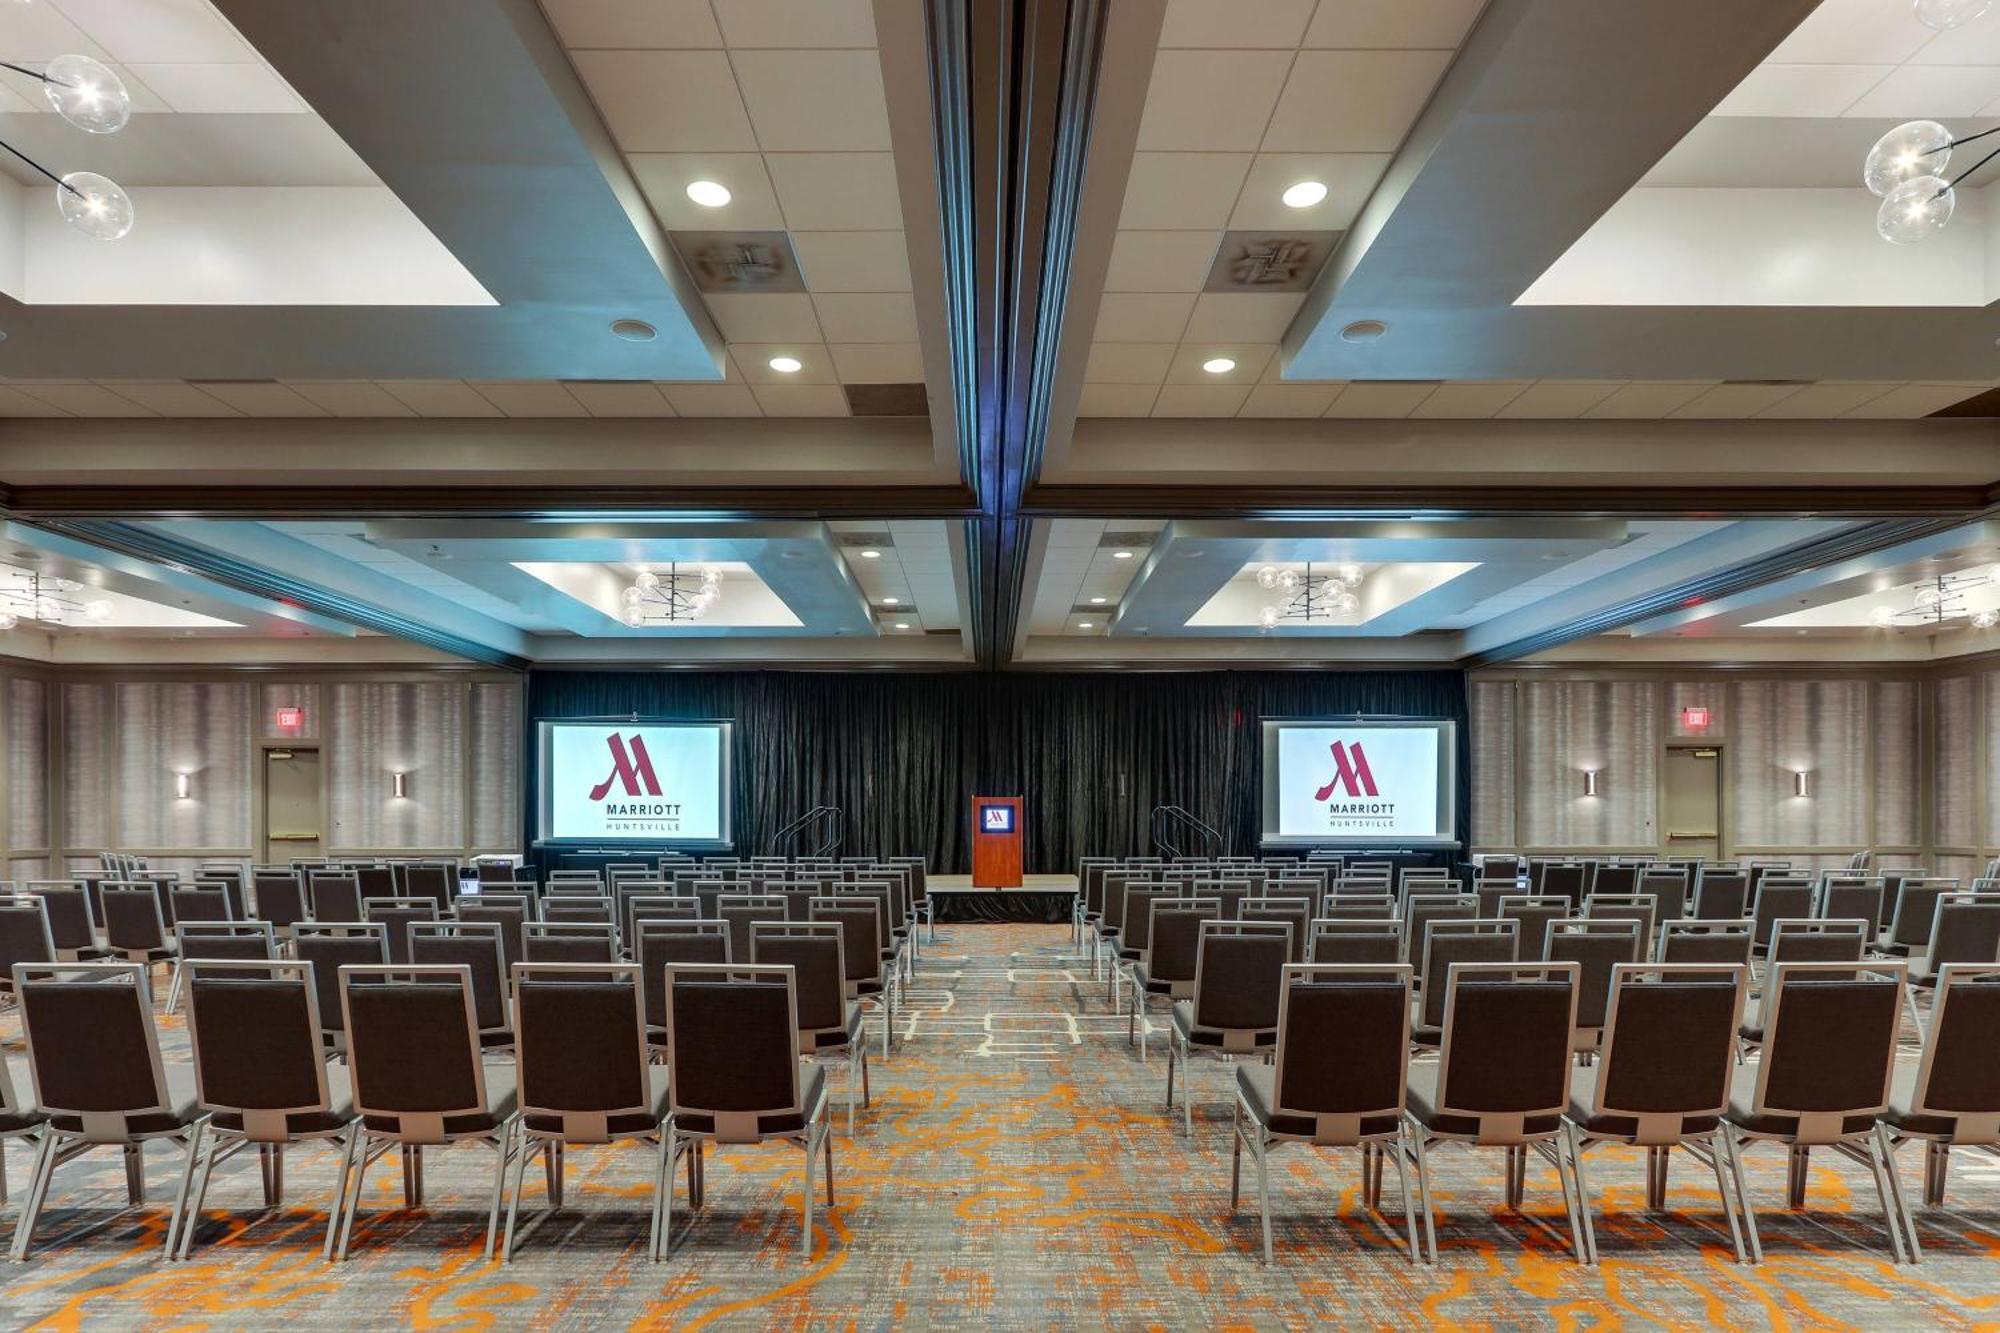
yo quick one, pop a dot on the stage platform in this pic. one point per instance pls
(1047, 898)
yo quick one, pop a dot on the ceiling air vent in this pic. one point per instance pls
(1262, 261)
(740, 261)
(888, 400)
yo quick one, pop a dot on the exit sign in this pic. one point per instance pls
(290, 718)
(1694, 719)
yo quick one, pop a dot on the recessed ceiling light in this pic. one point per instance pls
(1218, 365)
(1121, 555)
(1083, 624)
(714, 194)
(1097, 601)
(902, 624)
(634, 330)
(871, 555)
(787, 365)
(892, 601)
(1363, 331)
(1304, 194)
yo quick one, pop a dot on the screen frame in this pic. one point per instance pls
(545, 792)
(1446, 729)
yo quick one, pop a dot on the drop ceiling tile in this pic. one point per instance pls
(530, 398)
(1557, 399)
(853, 261)
(1827, 399)
(439, 398)
(1800, 90)
(1929, 91)
(867, 317)
(1200, 400)
(1853, 32)
(1128, 363)
(1736, 400)
(1349, 179)
(788, 23)
(1130, 317)
(160, 30)
(712, 400)
(879, 363)
(620, 23)
(1912, 400)
(668, 101)
(38, 33)
(1972, 44)
(771, 318)
(1430, 24)
(261, 398)
(173, 398)
(83, 399)
(1117, 400)
(1381, 399)
(1274, 24)
(1250, 359)
(1647, 400)
(754, 359)
(1470, 399)
(227, 89)
(1182, 191)
(837, 191)
(352, 398)
(801, 400)
(1290, 400)
(1352, 101)
(619, 398)
(814, 101)
(1210, 101)
(14, 403)
(752, 206)
(1160, 261)
(1259, 317)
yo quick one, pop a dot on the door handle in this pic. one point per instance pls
(1672, 836)
(294, 837)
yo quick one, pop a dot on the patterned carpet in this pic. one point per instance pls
(1018, 1169)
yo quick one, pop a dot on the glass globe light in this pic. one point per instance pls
(1918, 148)
(1947, 14)
(1267, 577)
(8, 620)
(710, 576)
(631, 596)
(1882, 617)
(86, 94)
(94, 205)
(48, 609)
(1914, 210)
(1928, 598)
(1346, 603)
(97, 609)
(634, 616)
(1288, 579)
(1985, 619)
(647, 579)
(1268, 617)
(1349, 575)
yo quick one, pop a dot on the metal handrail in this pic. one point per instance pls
(829, 817)
(1169, 819)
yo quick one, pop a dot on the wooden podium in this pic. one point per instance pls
(996, 842)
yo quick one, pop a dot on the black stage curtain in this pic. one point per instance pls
(1092, 754)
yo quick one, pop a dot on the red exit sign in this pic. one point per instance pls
(1694, 719)
(291, 719)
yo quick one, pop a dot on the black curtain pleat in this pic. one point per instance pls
(1092, 754)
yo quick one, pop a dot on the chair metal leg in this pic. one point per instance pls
(182, 1218)
(806, 1193)
(1416, 1133)
(663, 1184)
(1235, 1154)
(173, 990)
(1401, 1150)
(1798, 1165)
(1716, 1160)
(135, 1173)
(38, 1190)
(1572, 1198)
(1886, 1151)
(340, 1188)
(1937, 1167)
(503, 1143)
(354, 1192)
(1258, 1150)
(1187, 1092)
(552, 1172)
(1574, 1139)
(1749, 1210)
(670, 1147)
(1891, 1215)
(826, 1153)
(517, 1170)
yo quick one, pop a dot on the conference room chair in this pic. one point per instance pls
(1966, 930)
(1640, 907)
(1951, 1097)
(742, 910)
(68, 911)
(215, 941)
(136, 930)
(1346, 940)
(1595, 947)
(1691, 940)
(435, 880)
(574, 875)
(710, 891)
(200, 902)
(163, 883)
(585, 1079)
(1359, 906)
(396, 916)
(737, 1077)
(1167, 967)
(1722, 895)
(1298, 911)
(1861, 860)
(279, 897)
(1420, 910)
(661, 944)
(1535, 912)
(1234, 1009)
(262, 1082)
(480, 948)
(889, 943)
(664, 907)
(1338, 1079)
(1779, 898)
(1104, 938)
(1133, 938)
(508, 911)
(330, 946)
(377, 880)
(1848, 897)
(1915, 914)
(98, 1078)
(1373, 886)
(334, 895)
(25, 938)
(1829, 1052)
(1501, 867)
(579, 907)
(895, 917)
(1663, 1081)
(574, 887)
(1449, 944)
(866, 978)
(1669, 890)
(569, 942)
(1613, 877)
(419, 1081)
(1563, 879)
(1502, 1076)
(829, 1024)
(233, 877)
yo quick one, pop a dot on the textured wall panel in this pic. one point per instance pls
(86, 766)
(1954, 821)
(1492, 706)
(1573, 725)
(202, 729)
(495, 814)
(1898, 753)
(1782, 727)
(27, 765)
(373, 730)
(272, 697)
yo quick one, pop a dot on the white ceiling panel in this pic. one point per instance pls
(621, 23)
(1182, 191)
(837, 191)
(790, 23)
(1352, 101)
(1211, 101)
(814, 101)
(668, 101)
(665, 177)
(853, 261)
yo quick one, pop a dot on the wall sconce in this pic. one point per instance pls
(1800, 785)
(398, 784)
(1590, 782)
(183, 786)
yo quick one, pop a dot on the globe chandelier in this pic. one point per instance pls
(91, 97)
(1907, 169)
(1315, 596)
(1938, 601)
(676, 597)
(52, 601)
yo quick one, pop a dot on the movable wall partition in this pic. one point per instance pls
(1092, 754)
(95, 761)
(1894, 761)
